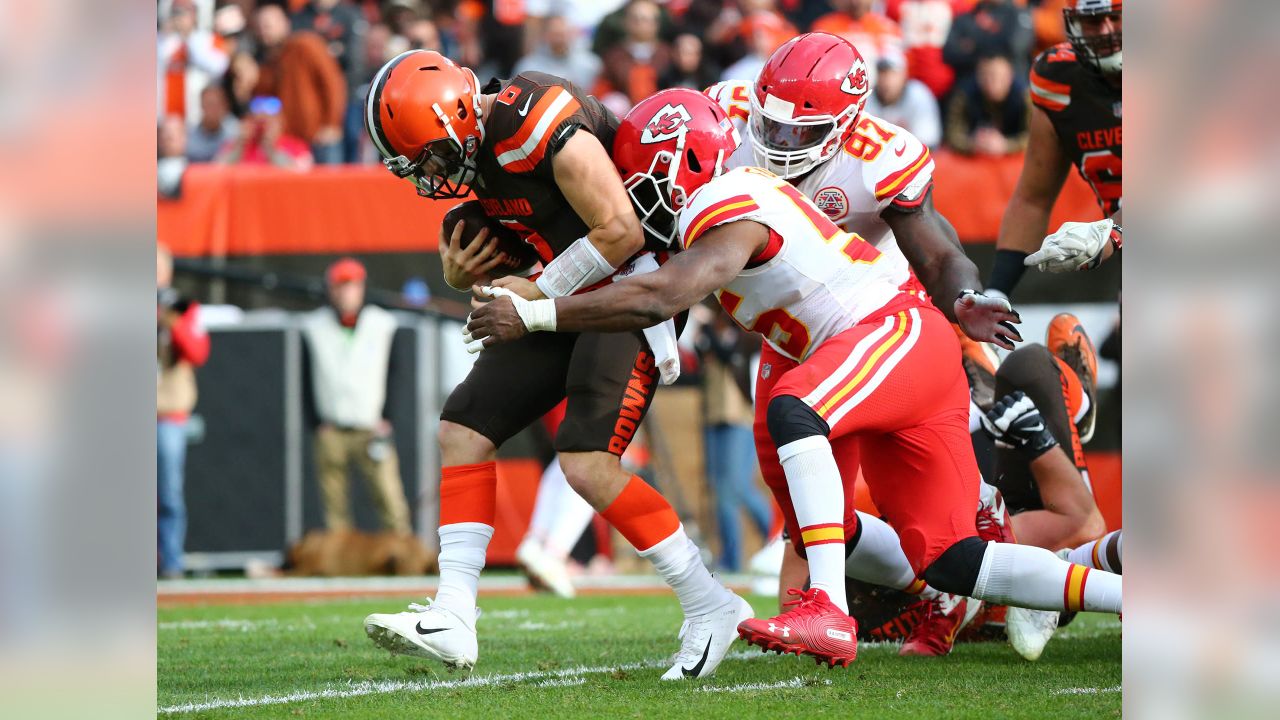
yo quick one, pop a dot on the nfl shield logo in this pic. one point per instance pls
(1115, 108)
(765, 369)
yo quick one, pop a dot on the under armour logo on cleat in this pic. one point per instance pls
(785, 630)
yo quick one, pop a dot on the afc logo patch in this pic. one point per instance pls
(832, 201)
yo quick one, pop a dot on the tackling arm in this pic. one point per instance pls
(631, 304)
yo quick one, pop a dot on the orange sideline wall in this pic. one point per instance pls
(231, 211)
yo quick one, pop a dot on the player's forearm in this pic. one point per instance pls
(1024, 225)
(947, 278)
(617, 237)
(633, 304)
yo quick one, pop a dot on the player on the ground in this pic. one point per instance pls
(533, 150)
(1044, 415)
(804, 121)
(1075, 88)
(861, 367)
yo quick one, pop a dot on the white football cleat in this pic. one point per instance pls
(428, 631)
(544, 569)
(706, 638)
(1029, 630)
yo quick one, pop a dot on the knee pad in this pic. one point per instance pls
(789, 419)
(956, 570)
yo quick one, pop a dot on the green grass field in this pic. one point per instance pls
(597, 656)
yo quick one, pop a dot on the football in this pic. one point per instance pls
(522, 254)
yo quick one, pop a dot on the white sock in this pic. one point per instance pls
(462, 549)
(817, 493)
(1096, 553)
(1035, 578)
(877, 558)
(571, 517)
(679, 563)
(544, 504)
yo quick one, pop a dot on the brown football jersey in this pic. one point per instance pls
(1085, 111)
(533, 116)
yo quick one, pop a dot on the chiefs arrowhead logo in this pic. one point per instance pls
(667, 123)
(856, 82)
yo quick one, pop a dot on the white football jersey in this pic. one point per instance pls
(811, 283)
(880, 163)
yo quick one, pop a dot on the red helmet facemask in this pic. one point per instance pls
(667, 147)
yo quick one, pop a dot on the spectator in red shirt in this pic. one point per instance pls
(262, 140)
(181, 347)
(925, 25)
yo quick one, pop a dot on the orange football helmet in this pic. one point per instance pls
(423, 113)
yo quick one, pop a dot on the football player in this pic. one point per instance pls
(1044, 415)
(1075, 88)
(860, 367)
(533, 150)
(804, 119)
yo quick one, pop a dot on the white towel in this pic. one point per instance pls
(661, 337)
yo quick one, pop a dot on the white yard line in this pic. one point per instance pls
(1086, 691)
(567, 676)
(793, 683)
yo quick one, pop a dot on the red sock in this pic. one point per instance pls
(643, 516)
(468, 493)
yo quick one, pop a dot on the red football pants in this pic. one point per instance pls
(894, 393)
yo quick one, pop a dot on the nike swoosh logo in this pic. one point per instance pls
(1037, 428)
(525, 110)
(423, 631)
(693, 672)
(900, 149)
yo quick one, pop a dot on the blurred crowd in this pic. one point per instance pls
(282, 82)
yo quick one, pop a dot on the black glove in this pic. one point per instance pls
(1014, 422)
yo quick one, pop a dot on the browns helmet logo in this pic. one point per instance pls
(832, 201)
(667, 123)
(856, 82)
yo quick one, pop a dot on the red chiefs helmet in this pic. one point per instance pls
(805, 99)
(1094, 29)
(423, 113)
(668, 146)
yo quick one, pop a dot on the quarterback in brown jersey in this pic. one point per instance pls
(532, 149)
(1076, 90)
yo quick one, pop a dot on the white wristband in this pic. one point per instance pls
(579, 266)
(538, 315)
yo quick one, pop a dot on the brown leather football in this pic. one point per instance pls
(522, 254)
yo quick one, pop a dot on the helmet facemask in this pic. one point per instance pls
(1101, 51)
(659, 194)
(789, 147)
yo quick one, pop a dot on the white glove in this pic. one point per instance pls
(1075, 246)
(537, 315)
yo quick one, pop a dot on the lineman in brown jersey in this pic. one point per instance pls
(1076, 121)
(535, 151)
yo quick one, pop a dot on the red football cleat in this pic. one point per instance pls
(814, 627)
(940, 619)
